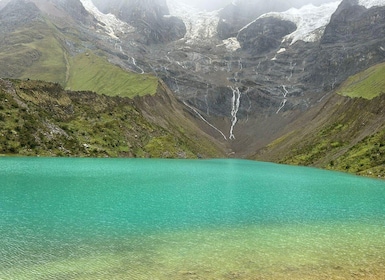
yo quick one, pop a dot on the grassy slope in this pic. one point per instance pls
(367, 84)
(91, 72)
(40, 118)
(51, 65)
(32, 52)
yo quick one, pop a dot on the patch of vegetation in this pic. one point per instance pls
(89, 71)
(348, 135)
(280, 140)
(327, 141)
(40, 118)
(365, 158)
(367, 84)
(168, 146)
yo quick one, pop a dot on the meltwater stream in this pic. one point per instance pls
(185, 219)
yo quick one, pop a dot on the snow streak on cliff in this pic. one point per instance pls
(109, 22)
(200, 25)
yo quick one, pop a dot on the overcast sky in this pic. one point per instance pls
(209, 5)
(216, 4)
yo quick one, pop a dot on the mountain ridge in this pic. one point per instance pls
(242, 78)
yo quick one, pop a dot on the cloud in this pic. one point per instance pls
(208, 5)
(217, 4)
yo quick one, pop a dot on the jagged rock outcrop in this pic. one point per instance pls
(150, 17)
(75, 9)
(355, 24)
(234, 17)
(352, 41)
(265, 35)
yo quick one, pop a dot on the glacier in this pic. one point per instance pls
(310, 20)
(202, 25)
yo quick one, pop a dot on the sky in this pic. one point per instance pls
(216, 4)
(210, 5)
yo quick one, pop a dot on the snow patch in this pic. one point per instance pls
(231, 44)
(371, 3)
(110, 23)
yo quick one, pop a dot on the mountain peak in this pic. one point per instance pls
(17, 13)
(64, 8)
(149, 18)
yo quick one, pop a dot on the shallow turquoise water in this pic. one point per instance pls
(185, 219)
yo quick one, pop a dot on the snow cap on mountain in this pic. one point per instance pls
(310, 20)
(371, 3)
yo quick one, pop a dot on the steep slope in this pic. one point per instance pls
(54, 49)
(340, 133)
(367, 84)
(40, 118)
(92, 72)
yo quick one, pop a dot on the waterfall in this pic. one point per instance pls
(235, 103)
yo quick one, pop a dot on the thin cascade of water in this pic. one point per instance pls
(235, 103)
(206, 121)
(283, 102)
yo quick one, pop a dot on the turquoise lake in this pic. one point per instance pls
(91, 219)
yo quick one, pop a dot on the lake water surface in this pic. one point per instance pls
(91, 219)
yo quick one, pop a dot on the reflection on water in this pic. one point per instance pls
(178, 219)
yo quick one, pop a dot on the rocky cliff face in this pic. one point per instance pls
(151, 18)
(352, 41)
(280, 70)
(265, 35)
